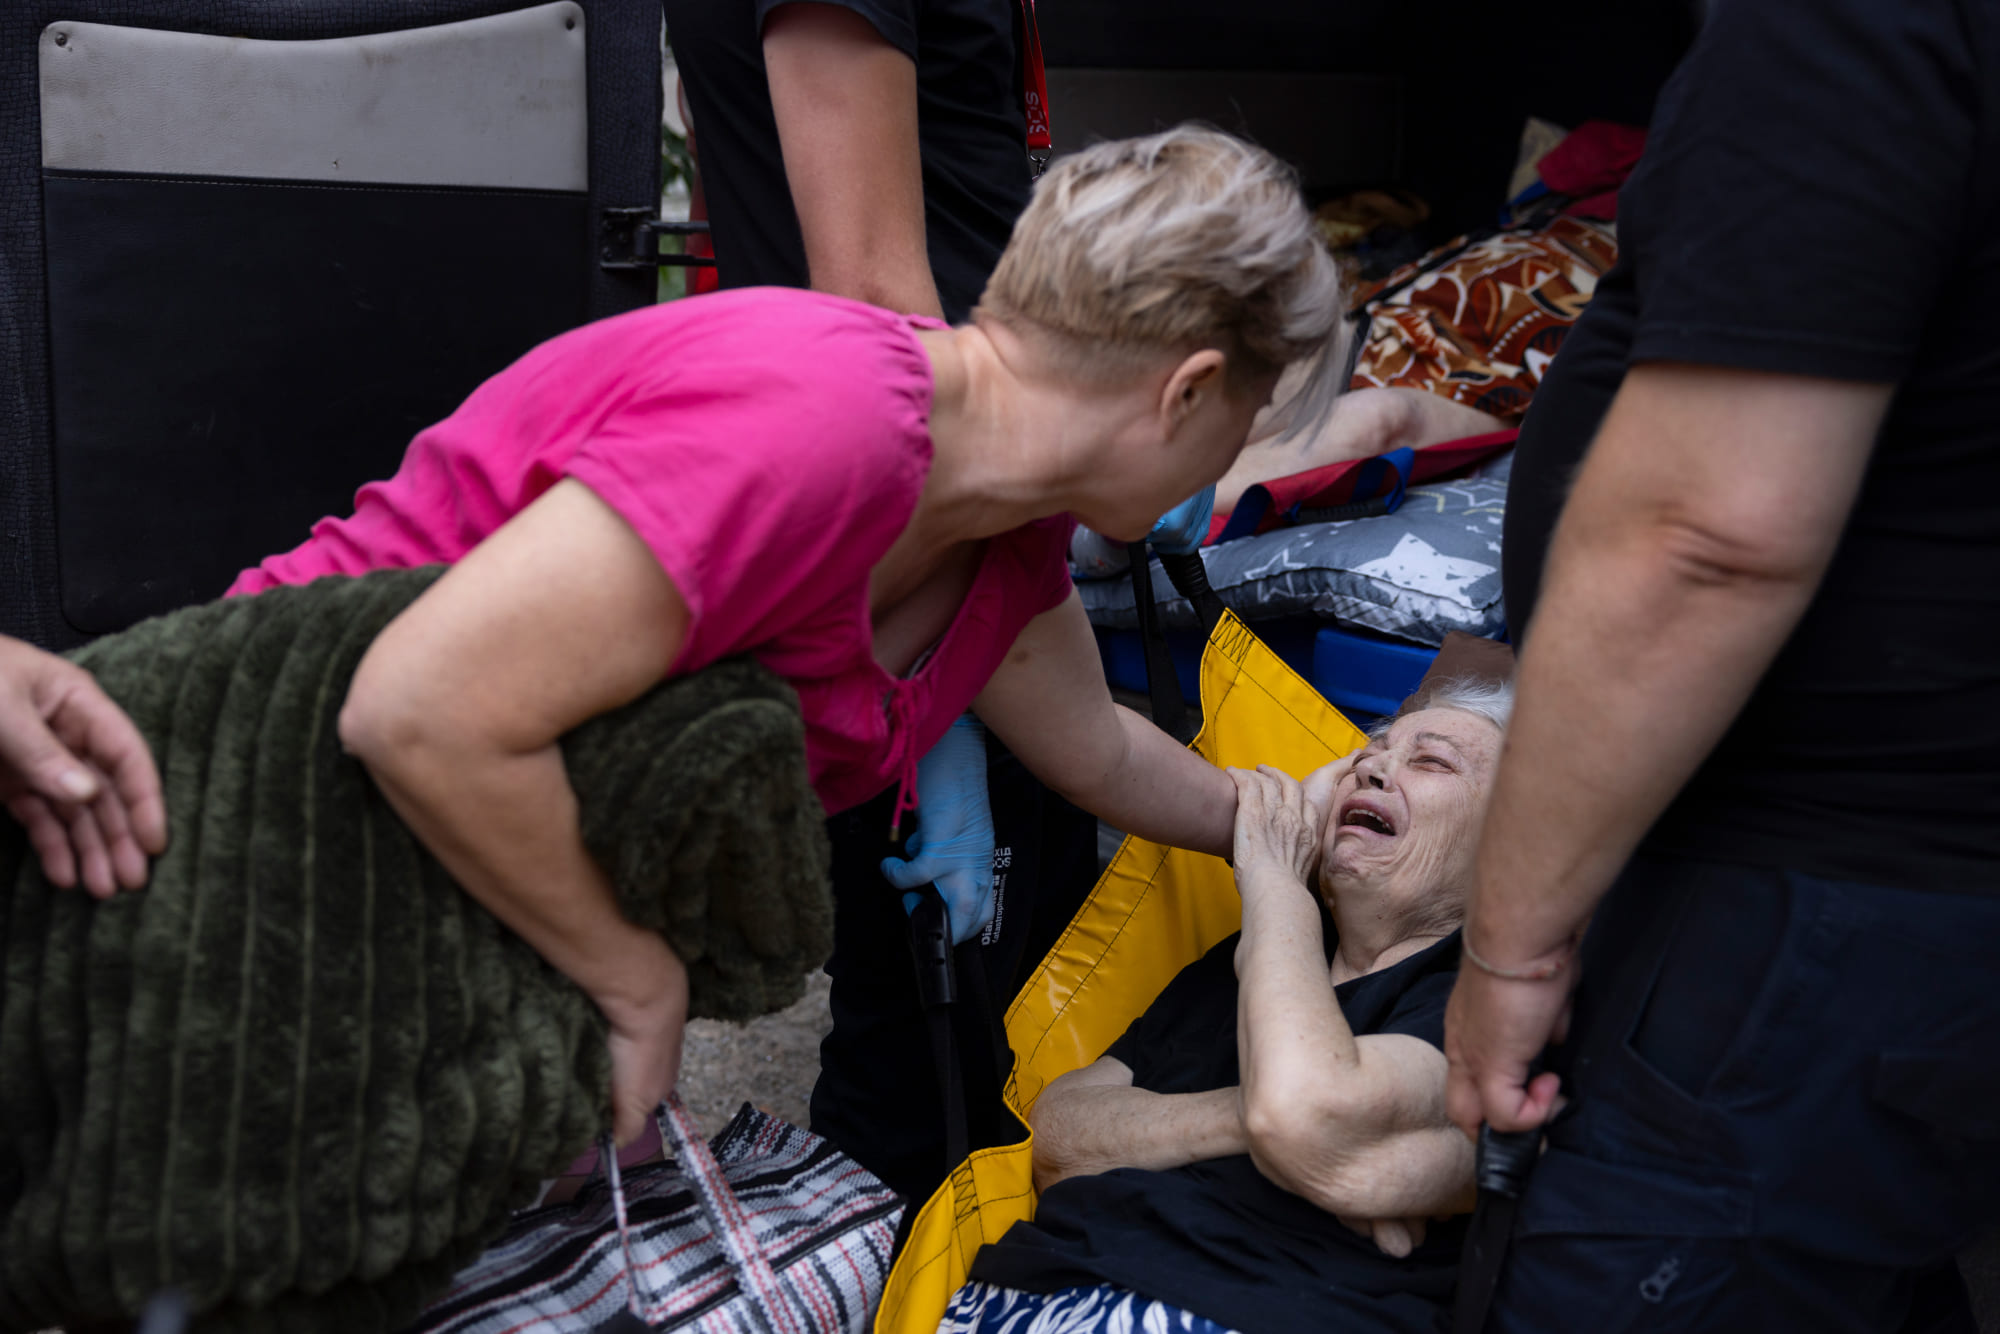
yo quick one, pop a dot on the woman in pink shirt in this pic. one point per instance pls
(874, 506)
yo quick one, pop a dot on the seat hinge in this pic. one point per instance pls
(629, 238)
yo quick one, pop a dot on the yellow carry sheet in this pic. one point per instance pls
(1155, 911)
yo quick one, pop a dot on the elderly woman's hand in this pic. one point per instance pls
(1323, 783)
(1277, 827)
(1395, 1237)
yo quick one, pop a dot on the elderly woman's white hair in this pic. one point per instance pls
(1172, 243)
(1479, 696)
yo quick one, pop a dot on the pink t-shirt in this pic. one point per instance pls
(769, 445)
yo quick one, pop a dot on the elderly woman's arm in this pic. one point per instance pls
(1356, 1125)
(457, 708)
(1050, 704)
(1093, 1120)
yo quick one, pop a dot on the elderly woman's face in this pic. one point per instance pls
(1404, 822)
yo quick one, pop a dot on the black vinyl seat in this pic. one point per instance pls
(249, 247)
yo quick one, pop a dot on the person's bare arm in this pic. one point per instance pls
(1700, 525)
(1093, 1120)
(457, 709)
(1356, 1125)
(1362, 424)
(1049, 703)
(846, 107)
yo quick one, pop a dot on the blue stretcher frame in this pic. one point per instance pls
(1364, 676)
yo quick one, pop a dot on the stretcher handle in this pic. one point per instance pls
(1501, 1167)
(1189, 576)
(937, 986)
(1505, 1158)
(1170, 710)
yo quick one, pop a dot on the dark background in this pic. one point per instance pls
(1469, 74)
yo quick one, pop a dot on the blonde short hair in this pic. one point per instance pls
(1172, 243)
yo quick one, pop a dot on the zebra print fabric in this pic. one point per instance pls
(981, 1308)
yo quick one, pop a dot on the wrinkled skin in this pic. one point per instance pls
(1427, 780)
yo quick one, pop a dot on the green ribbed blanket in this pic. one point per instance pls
(302, 1076)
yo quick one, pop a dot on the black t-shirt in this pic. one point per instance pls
(1821, 196)
(1218, 1238)
(970, 129)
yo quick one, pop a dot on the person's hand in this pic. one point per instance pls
(953, 845)
(648, 1020)
(1182, 529)
(1494, 1029)
(1324, 782)
(1392, 1236)
(1277, 828)
(76, 773)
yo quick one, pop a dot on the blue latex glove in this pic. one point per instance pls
(953, 844)
(1182, 529)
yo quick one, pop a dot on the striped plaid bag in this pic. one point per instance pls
(769, 1230)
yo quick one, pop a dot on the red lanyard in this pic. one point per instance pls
(1034, 89)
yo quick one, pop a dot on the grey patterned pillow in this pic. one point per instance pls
(1418, 574)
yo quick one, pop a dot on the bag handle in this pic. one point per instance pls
(726, 1218)
(1379, 486)
(627, 1321)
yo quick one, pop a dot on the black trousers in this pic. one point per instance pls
(878, 1095)
(1785, 1111)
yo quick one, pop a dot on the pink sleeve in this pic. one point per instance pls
(768, 491)
(1054, 585)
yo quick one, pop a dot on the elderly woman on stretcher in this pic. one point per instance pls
(1266, 1148)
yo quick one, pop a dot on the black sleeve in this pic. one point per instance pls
(1805, 187)
(1561, 422)
(895, 20)
(1185, 1042)
(1419, 1012)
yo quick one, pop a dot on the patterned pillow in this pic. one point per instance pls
(1481, 324)
(1428, 569)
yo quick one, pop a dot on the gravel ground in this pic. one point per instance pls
(771, 1062)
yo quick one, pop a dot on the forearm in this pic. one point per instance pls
(1639, 661)
(1129, 773)
(505, 827)
(1161, 791)
(1048, 702)
(1699, 527)
(1083, 1130)
(1290, 1032)
(1363, 423)
(900, 282)
(1298, 1059)
(1357, 1126)
(845, 103)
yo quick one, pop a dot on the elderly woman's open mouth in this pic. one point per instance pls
(1368, 815)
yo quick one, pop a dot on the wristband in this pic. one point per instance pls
(1540, 972)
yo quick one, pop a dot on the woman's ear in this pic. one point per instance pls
(1199, 376)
